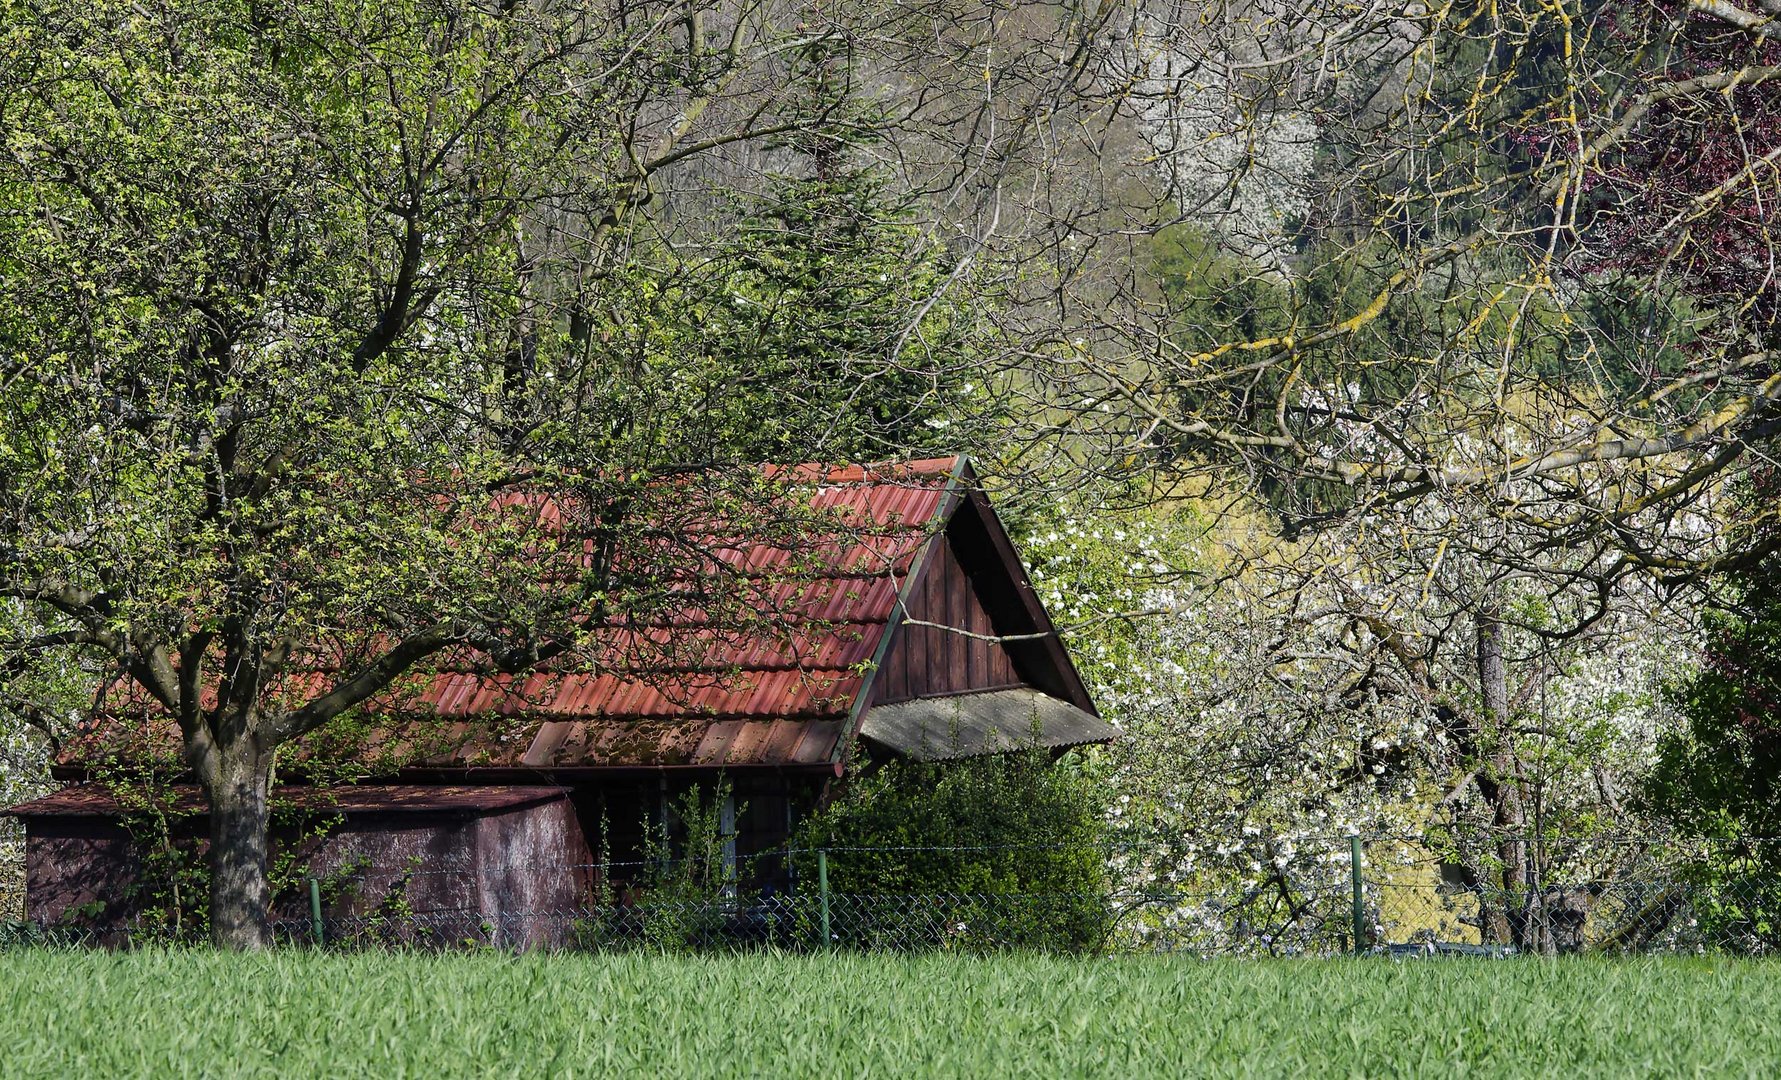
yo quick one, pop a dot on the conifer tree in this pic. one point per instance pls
(837, 303)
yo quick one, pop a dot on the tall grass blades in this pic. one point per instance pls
(291, 1013)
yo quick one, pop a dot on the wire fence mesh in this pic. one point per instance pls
(1486, 895)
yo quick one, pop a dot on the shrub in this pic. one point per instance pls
(1719, 777)
(1001, 851)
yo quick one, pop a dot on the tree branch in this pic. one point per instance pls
(363, 683)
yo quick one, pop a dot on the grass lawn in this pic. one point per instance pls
(298, 1014)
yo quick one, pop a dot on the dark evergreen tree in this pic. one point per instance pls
(837, 305)
(1719, 776)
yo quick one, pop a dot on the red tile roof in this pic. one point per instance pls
(719, 697)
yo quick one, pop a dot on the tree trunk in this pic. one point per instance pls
(1502, 785)
(238, 850)
(1514, 918)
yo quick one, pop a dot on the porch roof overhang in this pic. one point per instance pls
(972, 725)
(187, 800)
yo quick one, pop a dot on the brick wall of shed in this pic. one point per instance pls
(424, 863)
(532, 861)
(76, 864)
(452, 869)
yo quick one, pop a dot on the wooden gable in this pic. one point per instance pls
(947, 641)
(972, 646)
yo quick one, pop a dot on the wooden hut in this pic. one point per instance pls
(925, 640)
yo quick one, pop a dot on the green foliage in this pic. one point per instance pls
(689, 888)
(302, 314)
(839, 320)
(1719, 774)
(169, 898)
(982, 832)
(1216, 296)
(1476, 315)
(39, 696)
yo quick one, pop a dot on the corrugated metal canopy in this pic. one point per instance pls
(969, 725)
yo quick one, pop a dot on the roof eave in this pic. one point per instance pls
(952, 497)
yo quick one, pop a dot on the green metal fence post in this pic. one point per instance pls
(822, 888)
(1360, 906)
(315, 910)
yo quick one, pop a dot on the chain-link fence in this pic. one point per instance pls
(1554, 895)
(1489, 895)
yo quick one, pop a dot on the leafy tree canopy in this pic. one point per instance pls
(321, 356)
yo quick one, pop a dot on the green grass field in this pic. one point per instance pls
(295, 1014)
